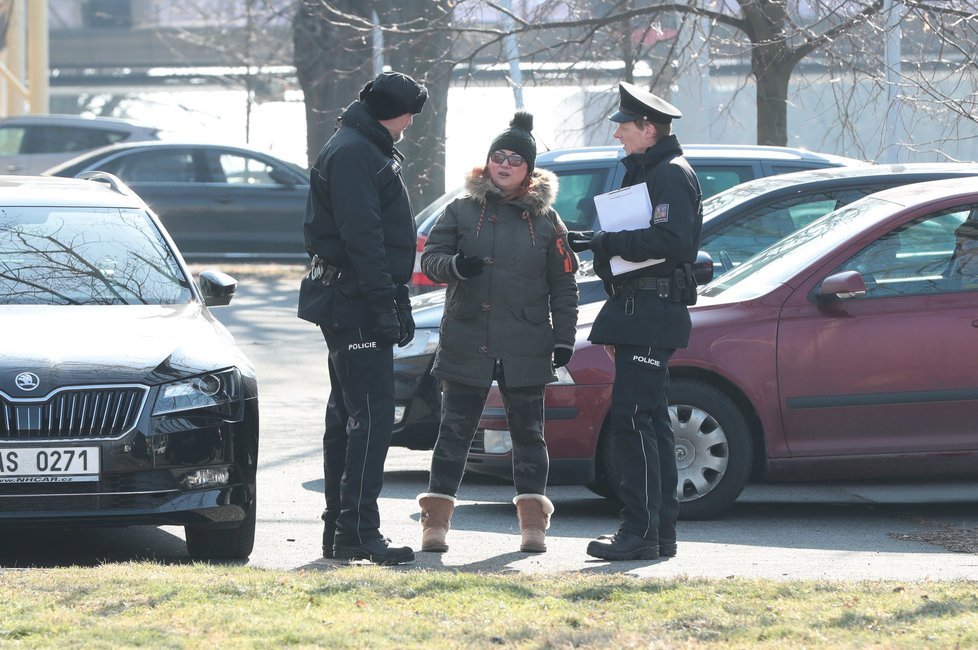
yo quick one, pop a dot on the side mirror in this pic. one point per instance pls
(217, 288)
(844, 285)
(703, 268)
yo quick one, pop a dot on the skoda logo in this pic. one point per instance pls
(27, 381)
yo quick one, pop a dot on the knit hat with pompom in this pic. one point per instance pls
(518, 138)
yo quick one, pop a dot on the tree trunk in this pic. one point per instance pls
(771, 63)
(772, 103)
(427, 58)
(332, 64)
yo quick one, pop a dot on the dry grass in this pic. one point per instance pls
(201, 606)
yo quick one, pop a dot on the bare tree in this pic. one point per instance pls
(244, 35)
(332, 60)
(775, 38)
(335, 45)
(779, 51)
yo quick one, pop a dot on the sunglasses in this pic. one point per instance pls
(514, 159)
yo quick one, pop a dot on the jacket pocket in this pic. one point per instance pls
(536, 314)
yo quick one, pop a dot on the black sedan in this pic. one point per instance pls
(737, 224)
(122, 400)
(217, 201)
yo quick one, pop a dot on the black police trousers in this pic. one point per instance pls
(359, 422)
(643, 441)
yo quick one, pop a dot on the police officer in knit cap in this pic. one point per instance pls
(359, 231)
(644, 320)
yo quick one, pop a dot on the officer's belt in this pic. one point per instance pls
(662, 286)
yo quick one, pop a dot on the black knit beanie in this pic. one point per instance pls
(518, 138)
(393, 94)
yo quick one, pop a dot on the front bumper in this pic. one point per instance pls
(196, 469)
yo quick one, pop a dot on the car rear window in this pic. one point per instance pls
(61, 139)
(11, 138)
(717, 178)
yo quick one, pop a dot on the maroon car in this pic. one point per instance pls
(848, 350)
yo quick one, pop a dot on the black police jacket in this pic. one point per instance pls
(639, 316)
(359, 218)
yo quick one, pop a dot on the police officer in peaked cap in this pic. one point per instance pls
(643, 322)
(359, 231)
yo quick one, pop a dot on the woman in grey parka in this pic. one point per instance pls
(510, 315)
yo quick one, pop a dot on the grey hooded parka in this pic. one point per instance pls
(523, 304)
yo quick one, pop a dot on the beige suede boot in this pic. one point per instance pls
(436, 519)
(534, 512)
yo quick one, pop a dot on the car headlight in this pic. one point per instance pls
(425, 342)
(217, 392)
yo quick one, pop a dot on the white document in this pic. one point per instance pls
(629, 208)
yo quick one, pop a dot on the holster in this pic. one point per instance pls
(684, 284)
(323, 273)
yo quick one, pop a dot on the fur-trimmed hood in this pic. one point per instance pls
(539, 196)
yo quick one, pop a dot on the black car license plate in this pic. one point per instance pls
(49, 464)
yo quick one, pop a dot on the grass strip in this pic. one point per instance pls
(134, 605)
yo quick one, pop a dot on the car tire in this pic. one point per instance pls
(204, 543)
(714, 451)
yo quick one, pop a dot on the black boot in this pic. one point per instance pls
(667, 547)
(624, 545)
(329, 531)
(378, 551)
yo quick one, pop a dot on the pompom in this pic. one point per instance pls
(522, 120)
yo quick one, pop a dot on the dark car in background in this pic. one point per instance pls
(845, 351)
(218, 202)
(737, 223)
(29, 144)
(587, 171)
(122, 400)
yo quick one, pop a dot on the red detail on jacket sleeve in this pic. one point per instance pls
(568, 264)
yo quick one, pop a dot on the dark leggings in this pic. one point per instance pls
(460, 412)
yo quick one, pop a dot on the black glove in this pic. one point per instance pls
(599, 243)
(562, 357)
(407, 325)
(388, 328)
(468, 266)
(580, 240)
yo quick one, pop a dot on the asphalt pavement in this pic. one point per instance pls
(834, 531)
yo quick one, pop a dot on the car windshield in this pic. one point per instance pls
(86, 256)
(774, 265)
